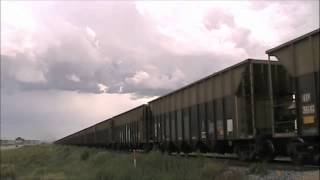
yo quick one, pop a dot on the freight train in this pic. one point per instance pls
(258, 109)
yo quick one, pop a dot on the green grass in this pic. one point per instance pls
(54, 162)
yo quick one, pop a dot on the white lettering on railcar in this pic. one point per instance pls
(229, 125)
(203, 135)
(306, 97)
(308, 109)
(155, 130)
(211, 127)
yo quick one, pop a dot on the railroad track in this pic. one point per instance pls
(281, 163)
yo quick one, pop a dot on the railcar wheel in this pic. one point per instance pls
(185, 148)
(202, 147)
(297, 158)
(147, 147)
(267, 151)
(243, 153)
(316, 159)
(267, 157)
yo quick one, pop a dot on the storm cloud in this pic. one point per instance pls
(108, 47)
(103, 51)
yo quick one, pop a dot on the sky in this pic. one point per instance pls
(68, 65)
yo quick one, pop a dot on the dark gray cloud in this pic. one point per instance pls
(127, 44)
(98, 44)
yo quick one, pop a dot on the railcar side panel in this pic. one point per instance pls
(301, 59)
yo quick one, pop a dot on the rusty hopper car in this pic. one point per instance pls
(220, 113)
(300, 57)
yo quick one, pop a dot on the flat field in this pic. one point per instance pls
(55, 162)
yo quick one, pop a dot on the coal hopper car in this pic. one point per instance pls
(300, 58)
(130, 129)
(103, 134)
(98, 135)
(224, 112)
